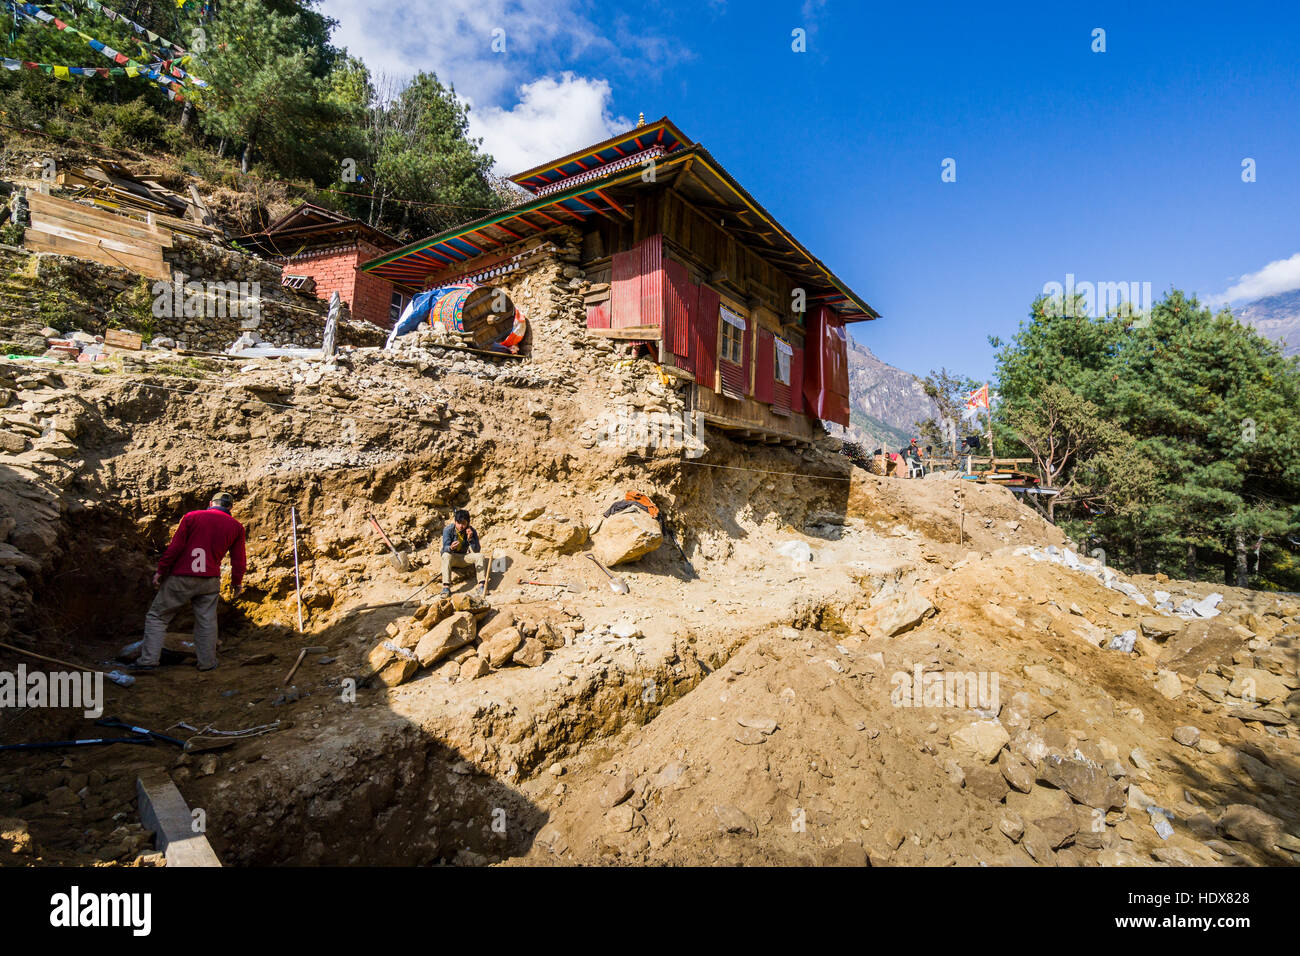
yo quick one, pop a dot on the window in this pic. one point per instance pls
(396, 305)
(733, 336)
(782, 356)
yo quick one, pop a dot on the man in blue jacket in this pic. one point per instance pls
(460, 549)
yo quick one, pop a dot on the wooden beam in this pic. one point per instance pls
(687, 171)
(164, 811)
(632, 332)
(52, 208)
(38, 241)
(617, 208)
(595, 209)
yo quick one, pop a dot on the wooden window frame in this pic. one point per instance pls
(776, 361)
(731, 337)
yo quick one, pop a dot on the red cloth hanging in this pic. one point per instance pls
(826, 370)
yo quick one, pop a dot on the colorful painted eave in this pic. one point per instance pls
(661, 133)
(410, 265)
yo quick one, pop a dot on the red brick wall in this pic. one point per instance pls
(336, 271)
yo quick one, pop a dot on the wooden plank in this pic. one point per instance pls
(90, 215)
(92, 237)
(207, 217)
(128, 233)
(179, 225)
(164, 811)
(41, 242)
(647, 333)
(122, 339)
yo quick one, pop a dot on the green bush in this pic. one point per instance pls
(139, 121)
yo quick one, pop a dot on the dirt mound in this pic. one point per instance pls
(742, 703)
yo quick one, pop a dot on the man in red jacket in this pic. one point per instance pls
(190, 573)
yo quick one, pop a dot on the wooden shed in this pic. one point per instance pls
(683, 259)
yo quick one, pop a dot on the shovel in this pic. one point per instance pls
(617, 585)
(398, 558)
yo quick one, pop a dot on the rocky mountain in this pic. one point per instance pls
(885, 402)
(1275, 316)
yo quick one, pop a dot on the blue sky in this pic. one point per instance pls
(1115, 166)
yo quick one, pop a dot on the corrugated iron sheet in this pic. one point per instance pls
(625, 289)
(747, 357)
(780, 398)
(733, 378)
(764, 377)
(679, 299)
(652, 280)
(796, 380)
(598, 316)
(706, 337)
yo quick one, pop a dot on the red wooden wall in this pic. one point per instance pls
(648, 289)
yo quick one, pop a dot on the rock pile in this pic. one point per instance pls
(646, 412)
(432, 354)
(465, 636)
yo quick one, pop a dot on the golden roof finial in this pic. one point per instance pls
(640, 120)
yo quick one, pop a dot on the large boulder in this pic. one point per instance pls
(626, 536)
(1086, 782)
(435, 613)
(499, 622)
(1251, 683)
(531, 654)
(1251, 825)
(473, 667)
(903, 615)
(1160, 628)
(551, 533)
(501, 646)
(982, 740)
(449, 635)
(398, 671)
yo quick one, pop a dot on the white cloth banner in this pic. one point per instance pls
(732, 319)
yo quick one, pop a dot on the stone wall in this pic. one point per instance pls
(281, 316)
(550, 292)
(70, 294)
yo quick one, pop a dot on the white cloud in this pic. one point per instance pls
(553, 117)
(455, 39)
(528, 103)
(1282, 275)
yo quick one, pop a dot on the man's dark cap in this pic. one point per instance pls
(223, 500)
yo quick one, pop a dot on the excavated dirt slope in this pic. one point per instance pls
(744, 707)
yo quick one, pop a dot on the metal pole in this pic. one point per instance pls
(297, 582)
